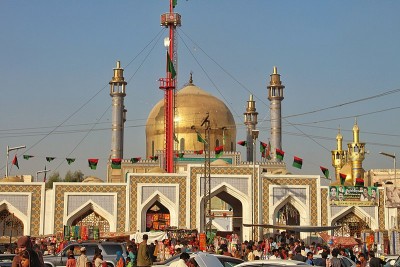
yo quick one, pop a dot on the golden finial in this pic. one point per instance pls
(275, 71)
(191, 78)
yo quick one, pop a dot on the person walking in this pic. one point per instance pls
(82, 259)
(143, 256)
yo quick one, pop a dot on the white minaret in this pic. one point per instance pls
(275, 96)
(117, 92)
(250, 120)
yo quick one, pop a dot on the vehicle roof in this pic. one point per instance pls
(276, 262)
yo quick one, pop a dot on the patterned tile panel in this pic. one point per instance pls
(35, 202)
(168, 191)
(381, 209)
(246, 170)
(324, 206)
(60, 190)
(134, 180)
(20, 202)
(312, 183)
(104, 201)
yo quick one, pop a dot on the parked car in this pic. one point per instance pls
(272, 263)
(346, 261)
(201, 257)
(6, 260)
(109, 252)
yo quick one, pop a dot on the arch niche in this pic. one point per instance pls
(11, 220)
(353, 221)
(158, 213)
(240, 208)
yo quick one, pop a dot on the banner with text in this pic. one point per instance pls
(353, 195)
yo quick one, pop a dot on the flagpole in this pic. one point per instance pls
(8, 153)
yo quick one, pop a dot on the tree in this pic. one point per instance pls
(76, 176)
(54, 177)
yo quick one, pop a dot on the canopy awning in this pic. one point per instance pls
(296, 228)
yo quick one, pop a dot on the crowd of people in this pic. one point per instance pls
(145, 253)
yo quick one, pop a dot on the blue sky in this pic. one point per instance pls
(57, 59)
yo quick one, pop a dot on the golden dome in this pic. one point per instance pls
(192, 104)
(219, 162)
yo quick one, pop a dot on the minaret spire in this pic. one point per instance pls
(250, 120)
(339, 156)
(356, 152)
(275, 96)
(117, 92)
(170, 20)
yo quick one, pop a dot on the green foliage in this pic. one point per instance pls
(54, 177)
(76, 176)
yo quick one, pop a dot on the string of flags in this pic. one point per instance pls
(265, 150)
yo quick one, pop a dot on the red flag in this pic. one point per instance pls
(15, 161)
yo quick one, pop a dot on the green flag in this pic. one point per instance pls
(27, 157)
(174, 3)
(170, 66)
(116, 163)
(70, 160)
(325, 171)
(297, 162)
(200, 139)
(50, 158)
(134, 160)
(93, 163)
(219, 150)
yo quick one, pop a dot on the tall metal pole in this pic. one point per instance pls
(207, 177)
(253, 182)
(170, 20)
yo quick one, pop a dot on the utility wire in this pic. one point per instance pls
(346, 103)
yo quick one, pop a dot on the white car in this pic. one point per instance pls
(205, 260)
(272, 263)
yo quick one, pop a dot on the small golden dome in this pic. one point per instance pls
(92, 179)
(192, 104)
(219, 162)
(156, 170)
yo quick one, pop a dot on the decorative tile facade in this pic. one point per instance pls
(135, 180)
(36, 204)
(324, 206)
(195, 171)
(61, 189)
(381, 209)
(312, 183)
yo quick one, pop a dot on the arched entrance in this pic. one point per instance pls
(10, 225)
(352, 225)
(288, 215)
(157, 217)
(226, 212)
(92, 221)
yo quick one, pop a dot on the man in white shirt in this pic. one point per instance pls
(183, 258)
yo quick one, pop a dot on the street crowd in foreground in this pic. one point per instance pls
(283, 246)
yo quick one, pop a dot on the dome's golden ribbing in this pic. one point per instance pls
(192, 104)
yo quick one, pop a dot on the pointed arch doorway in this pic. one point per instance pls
(288, 215)
(93, 222)
(157, 217)
(10, 225)
(352, 226)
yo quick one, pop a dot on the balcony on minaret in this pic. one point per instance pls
(167, 83)
(170, 19)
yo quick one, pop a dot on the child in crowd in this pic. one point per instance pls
(71, 262)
